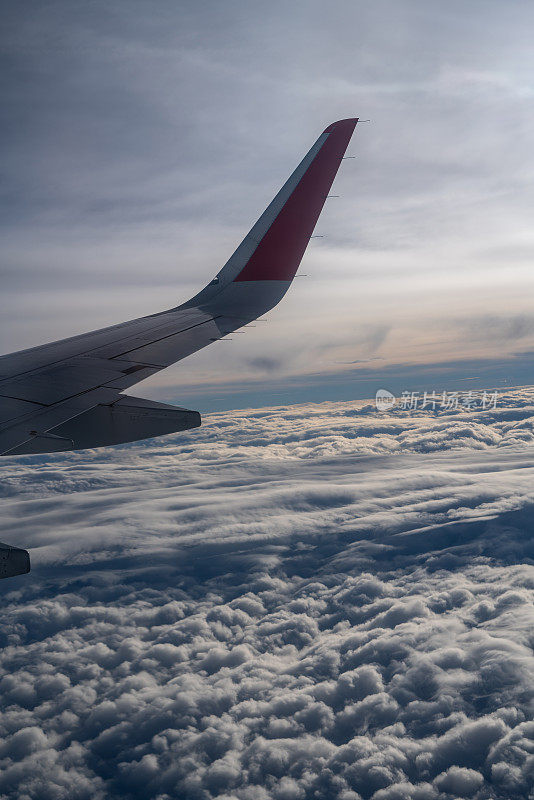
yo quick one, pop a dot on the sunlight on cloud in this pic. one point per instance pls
(294, 602)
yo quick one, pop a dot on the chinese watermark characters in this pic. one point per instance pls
(437, 401)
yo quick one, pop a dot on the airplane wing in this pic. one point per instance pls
(69, 394)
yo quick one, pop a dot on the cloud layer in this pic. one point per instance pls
(291, 603)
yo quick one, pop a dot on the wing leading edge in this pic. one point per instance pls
(68, 395)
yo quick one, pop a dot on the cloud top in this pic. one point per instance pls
(301, 602)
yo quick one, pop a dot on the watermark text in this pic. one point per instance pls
(437, 401)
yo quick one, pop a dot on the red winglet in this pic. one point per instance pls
(280, 251)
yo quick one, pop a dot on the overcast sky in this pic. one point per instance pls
(141, 140)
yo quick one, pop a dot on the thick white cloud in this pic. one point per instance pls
(302, 602)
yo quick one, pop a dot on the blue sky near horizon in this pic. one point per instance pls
(361, 383)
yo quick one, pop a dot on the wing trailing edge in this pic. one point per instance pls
(128, 419)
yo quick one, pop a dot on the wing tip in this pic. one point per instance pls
(349, 123)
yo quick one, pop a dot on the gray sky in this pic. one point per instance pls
(141, 141)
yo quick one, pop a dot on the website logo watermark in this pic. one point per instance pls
(432, 401)
(385, 400)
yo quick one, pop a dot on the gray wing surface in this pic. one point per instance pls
(69, 394)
